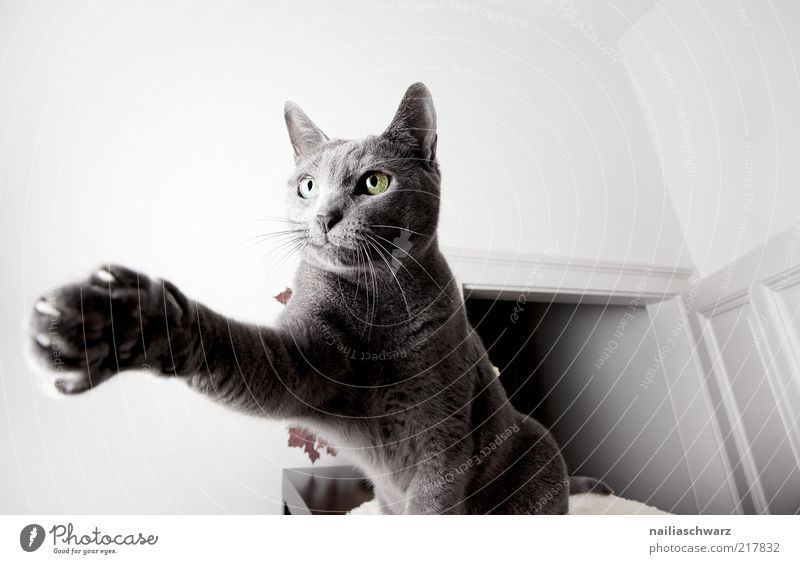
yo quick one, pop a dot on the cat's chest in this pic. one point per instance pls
(386, 453)
(372, 361)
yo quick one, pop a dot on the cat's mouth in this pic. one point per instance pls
(346, 257)
(333, 256)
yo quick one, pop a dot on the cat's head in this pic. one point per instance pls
(353, 199)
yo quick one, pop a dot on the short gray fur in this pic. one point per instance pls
(373, 352)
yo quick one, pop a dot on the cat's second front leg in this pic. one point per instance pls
(440, 484)
(115, 320)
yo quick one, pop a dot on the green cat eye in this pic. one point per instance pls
(308, 188)
(376, 183)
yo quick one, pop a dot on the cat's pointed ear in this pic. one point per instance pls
(416, 117)
(304, 135)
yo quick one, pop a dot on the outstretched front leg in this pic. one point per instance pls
(120, 320)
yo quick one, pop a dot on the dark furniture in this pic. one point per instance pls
(328, 490)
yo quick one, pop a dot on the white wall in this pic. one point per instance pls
(151, 134)
(719, 84)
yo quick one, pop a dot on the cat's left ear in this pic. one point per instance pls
(416, 117)
(304, 135)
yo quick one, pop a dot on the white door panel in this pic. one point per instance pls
(748, 316)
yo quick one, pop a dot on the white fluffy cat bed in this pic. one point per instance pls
(579, 504)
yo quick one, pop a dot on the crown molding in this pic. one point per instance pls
(489, 273)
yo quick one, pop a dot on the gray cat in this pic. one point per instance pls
(373, 351)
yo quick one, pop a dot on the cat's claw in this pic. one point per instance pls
(46, 308)
(42, 340)
(105, 276)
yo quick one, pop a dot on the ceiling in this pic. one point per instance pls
(610, 19)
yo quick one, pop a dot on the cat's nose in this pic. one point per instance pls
(328, 220)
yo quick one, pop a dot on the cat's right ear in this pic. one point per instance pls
(304, 135)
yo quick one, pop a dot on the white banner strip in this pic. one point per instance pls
(239, 539)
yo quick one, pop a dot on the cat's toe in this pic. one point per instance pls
(73, 364)
(68, 330)
(69, 383)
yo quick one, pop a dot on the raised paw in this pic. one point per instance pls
(87, 332)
